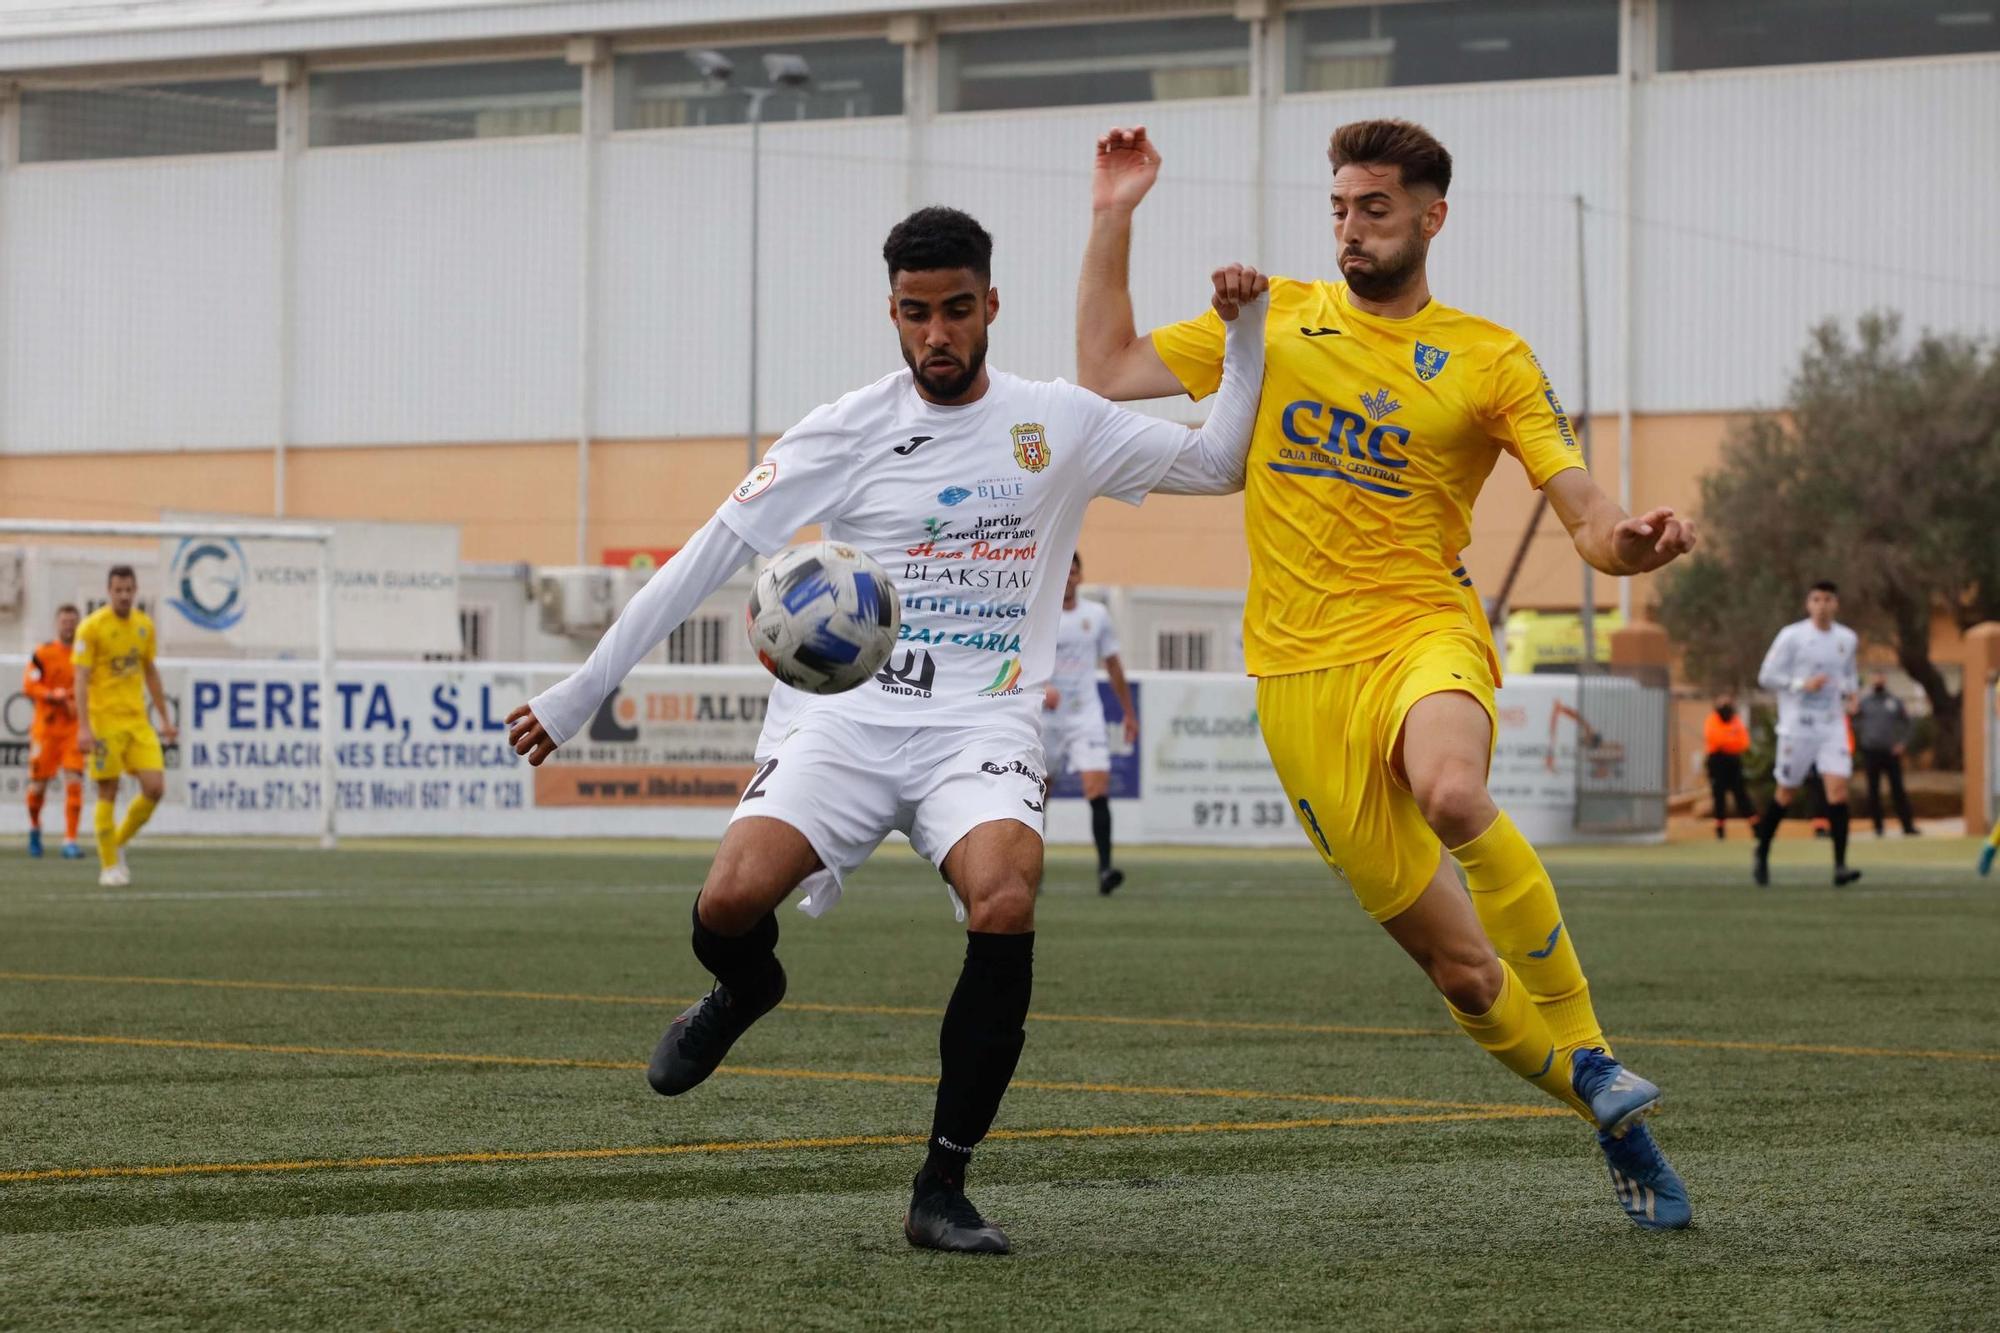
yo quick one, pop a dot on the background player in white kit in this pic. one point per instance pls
(968, 485)
(1073, 735)
(1811, 667)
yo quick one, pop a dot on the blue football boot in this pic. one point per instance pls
(1618, 1098)
(72, 852)
(1986, 858)
(1648, 1187)
(34, 842)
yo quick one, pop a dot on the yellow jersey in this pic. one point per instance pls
(113, 652)
(1373, 438)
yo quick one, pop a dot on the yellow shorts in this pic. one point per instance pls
(1332, 736)
(129, 749)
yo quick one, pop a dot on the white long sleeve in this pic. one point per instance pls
(669, 597)
(1212, 459)
(1776, 672)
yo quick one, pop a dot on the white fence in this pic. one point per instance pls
(420, 749)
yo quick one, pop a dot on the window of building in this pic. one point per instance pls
(697, 641)
(1713, 34)
(415, 103)
(148, 120)
(657, 90)
(1449, 41)
(1154, 61)
(1184, 649)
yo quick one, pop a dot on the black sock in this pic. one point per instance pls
(978, 1047)
(1100, 830)
(746, 964)
(1836, 818)
(1767, 823)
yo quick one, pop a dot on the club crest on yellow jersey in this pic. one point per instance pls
(1429, 360)
(1379, 404)
(1031, 446)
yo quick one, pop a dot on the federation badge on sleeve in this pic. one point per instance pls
(757, 482)
(1429, 360)
(1031, 446)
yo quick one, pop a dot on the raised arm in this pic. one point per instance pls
(1608, 540)
(1214, 455)
(715, 552)
(1112, 357)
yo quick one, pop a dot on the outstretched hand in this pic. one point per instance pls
(1236, 285)
(526, 735)
(1649, 540)
(1127, 165)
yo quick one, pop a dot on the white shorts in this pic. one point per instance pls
(847, 785)
(1075, 742)
(1803, 751)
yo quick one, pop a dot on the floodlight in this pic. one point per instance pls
(787, 71)
(713, 65)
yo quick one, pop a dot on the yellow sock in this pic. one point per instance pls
(1514, 1032)
(107, 834)
(136, 815)
(1517, 907)
(1994, 836)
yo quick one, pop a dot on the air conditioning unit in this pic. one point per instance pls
(577, 601)
(629, 583)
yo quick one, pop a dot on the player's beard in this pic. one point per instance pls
(952, 384)
(1387, 276)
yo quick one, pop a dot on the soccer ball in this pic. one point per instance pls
(823, 617)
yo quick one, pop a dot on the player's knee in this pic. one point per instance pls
(736, 896)
(1455, 804)
(1004, 905)
(1470, 980)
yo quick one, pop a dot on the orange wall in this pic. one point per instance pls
(133, 488)
(517, 502)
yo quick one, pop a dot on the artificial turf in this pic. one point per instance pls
(1257, 1114)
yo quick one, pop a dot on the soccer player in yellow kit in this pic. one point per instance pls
(1382, 414)
(114, 673)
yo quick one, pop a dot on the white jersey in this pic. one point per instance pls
(974, 511)
(1800, 652)
(1084, 638)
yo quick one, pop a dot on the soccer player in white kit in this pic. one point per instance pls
(1073, 731)
(969, 486)
(1811, 668)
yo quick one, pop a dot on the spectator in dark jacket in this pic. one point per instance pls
(1882, 733)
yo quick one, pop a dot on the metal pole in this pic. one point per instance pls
(1627, 200)
(328, 701)
(1587, 612)
(757, 96)
(586, 315)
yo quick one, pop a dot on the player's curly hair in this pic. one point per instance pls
(1400, 143)
(938, 238)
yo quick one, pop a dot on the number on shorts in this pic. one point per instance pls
(756, 787)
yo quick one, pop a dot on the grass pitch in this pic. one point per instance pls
(401, 1086)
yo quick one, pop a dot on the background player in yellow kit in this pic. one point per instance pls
(48, 681)
(114, 674)
(1383, 412)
